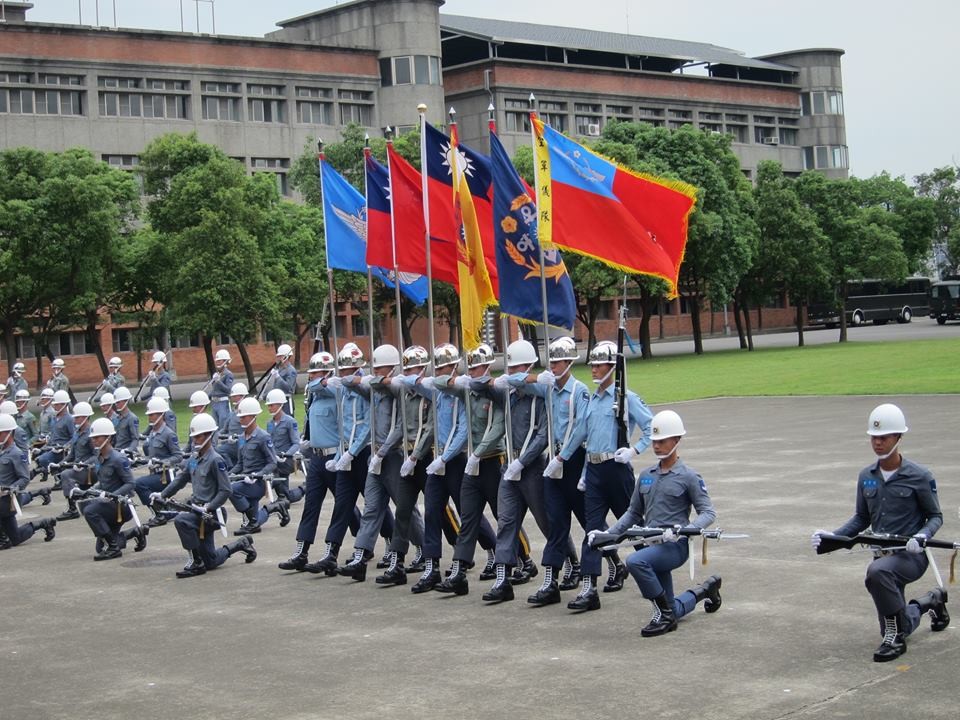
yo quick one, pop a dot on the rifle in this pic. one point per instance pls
(830, 542)
(146, 377)
(217, 520)
(163, 467)
(297, 458)
(317, 343)
(266, 374)
(94, 393)
(620, 383)
(13, 499)
(267, 481)
(91, 494)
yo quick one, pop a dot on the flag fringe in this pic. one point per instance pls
(671, 293)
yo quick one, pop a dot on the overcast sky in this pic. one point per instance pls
(901, 96)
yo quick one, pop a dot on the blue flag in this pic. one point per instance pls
(518, 251)
(345, 225)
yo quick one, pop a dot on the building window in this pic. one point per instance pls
(739, 133)
(789, 121)
(410, 70)
(74, 343)
(825, 157)
(554, 114)
(711, 127)
(821, 102)
(221, 101)
(124, 162)
(621, 113)
(765, 134)
(122, 340)
(60, 79)
(352, 112)
(314, 111)
(148, 105)
(24, 101)
(517, 115)
(185, 341)
(26, 348)
(788, 136)
(587, 119)
(266, 108)
(680, 114)
(710, 116)
(275, 166)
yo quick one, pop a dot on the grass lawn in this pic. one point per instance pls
(896, 368)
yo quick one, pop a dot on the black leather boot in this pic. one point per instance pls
(298, 561)
(588, 599)
(709, 593)
(935, 603)
(395, 574)
(549, 593)
(71, 513)
(455, 582)
(502, 590)
(616, 574)
(251, 526)
(430, 578)
(327, 564)
(894, 643)
(356, 568)
(111, 549)
(663, 620)
(245, 546)
(47, 525)
(280, 507)
(571, 576)
(194, 567)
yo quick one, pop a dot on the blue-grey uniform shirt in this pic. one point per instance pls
(220, 388)
(570, 404)
(163, 444)
(286, 379)
(61, 429)
(162, 379)
(128, 431)
(20, 439)
(59, 382)
(906, 504)
(528, 420)
(13, 469)
(451, 420)
(285, 436)
(664, 498)
(110, 383)
(14, 384)
(28, 422)
(322, 409)
(113, 473)
(46, 420)
(487, 428)
(81, 447)
(355, 411)
(386, 419)
(602, 425)
(418, 412)
(208, 475)
(255, 454)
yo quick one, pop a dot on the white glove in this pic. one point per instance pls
(915, 544)
(375, 465)
(274, 373)
(554, 468)
(344, 462)
(409, 465)
(331, 465)
(334, 382)
(436, 467)
(473, 465)
(591, 536)
(249, 480)
(667, 536)
(366, 380)
(815, 538)
(547, 378)
(462, 382)
(512, 473)
(625, 455)
(428, 382)
(216, 376)
(154, 496)
(151, 374)
(103, 494)
(501, 382)
(582, 482)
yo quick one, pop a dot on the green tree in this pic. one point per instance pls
(942, 186)
(592, 282)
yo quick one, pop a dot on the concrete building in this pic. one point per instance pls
(372, 62)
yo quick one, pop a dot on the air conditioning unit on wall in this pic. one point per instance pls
(771, 140)
(593, 129)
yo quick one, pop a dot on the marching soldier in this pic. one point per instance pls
(158, 376)
(283, 376)
(663, 498)
(221, 385)
(126, 423)
(59, 380)
(383, 476)
(59, 435)
(286, 443)
(207, 474)
(107, 513)
(14, 477)
(898, 497)
(229, 433)
(324, 438)
(162, 449)
(26, 420)
(113, 381)
(16, 382)
(608, 477)
(256, 460)
(80, 452)
(46, 411)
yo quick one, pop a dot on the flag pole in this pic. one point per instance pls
(373, 429)
(321, 157)
(422, 111)
(402, 395)
(543, 290)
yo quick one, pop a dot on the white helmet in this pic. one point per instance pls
(445, 354)
(199, 399)
(666, 424)
(386, 356)
(156, 405)
(415, 356)
(886, 419)
(7, 423)
(107, 399)
(520, 352)
(284, 351)
(46, 393)
(481, 355)
(58, 364)
(350, 357)
(222, 354)
(276, 396)
(122, 394)
(3, 389)
(102, 427)
(22, 395)
(248, 406)
(238, 389)
(321, 362)
(115, 362)
(61, 397)
(603, 353)
(161, 392)
(8, 407)
(82, 409)
(19, 368)
(564, 348)
(159, 357)
(202, 424)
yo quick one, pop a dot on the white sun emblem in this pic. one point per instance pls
(464, 164)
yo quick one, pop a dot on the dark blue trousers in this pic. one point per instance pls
(609, 488)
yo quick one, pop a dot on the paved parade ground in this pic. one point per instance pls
(793, 639)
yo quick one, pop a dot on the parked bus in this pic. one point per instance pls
(878, 301)
(945, 301)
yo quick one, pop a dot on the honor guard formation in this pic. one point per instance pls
(436, 431)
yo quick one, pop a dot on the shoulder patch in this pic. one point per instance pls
(933, 485)
(221, 465)
(703, 485)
